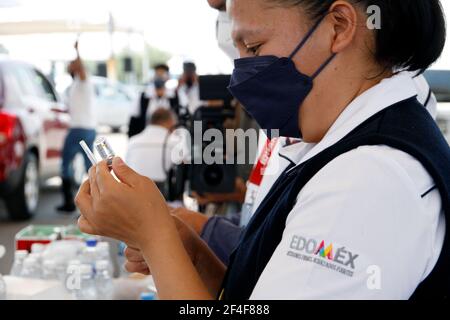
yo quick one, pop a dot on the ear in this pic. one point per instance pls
(344, 18)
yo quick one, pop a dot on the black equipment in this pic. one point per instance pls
(204, 177)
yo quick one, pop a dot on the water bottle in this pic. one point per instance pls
(19, 257)
(38, 265)
(148, 296)
(49, 270)
(30, 268)
(2, 288)
(87, 289)
(90, 253)
(71, 283)
(103, 281)
(104, 254)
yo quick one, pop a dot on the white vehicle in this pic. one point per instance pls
(33, 125)
(114, 102)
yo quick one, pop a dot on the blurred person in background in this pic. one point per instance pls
(162, 71)
(81, 104)
(161, 99)
(153, 97)
(188, 88)
(145, 152)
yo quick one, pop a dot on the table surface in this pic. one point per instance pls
(34, 289)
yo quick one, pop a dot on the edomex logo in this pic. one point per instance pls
(324, 254)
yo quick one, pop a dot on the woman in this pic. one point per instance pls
(360, 212)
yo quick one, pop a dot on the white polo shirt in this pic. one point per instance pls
(81, 101)
(145, 151)
(369, 225)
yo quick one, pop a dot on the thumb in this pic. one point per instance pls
(124, 173)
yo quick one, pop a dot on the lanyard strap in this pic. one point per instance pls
(306, 38)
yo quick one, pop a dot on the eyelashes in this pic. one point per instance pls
(253, 50)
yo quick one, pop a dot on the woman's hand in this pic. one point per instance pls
(134, 211)
(136, 262)
(208, 266)
(192, 243)
(128, 210)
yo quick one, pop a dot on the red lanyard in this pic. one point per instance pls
(257, 173)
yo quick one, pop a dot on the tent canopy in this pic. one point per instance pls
(43, 20)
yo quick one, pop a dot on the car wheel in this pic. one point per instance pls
(23, 202)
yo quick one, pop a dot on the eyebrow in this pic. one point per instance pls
(244, 33)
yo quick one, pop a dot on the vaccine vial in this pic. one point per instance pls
(104, 150)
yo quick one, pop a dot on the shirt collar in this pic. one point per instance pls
(154, 129)
(387, 93)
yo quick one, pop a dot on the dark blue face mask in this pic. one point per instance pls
(272, 90)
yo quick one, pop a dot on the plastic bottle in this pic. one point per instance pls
(49, 270)
(73, 269)
(2, 288)
(90, 253)
(19, 257)
(38, 265)
(87, 289)
(148, 296)
(30, 268)
(103, 281)
(104, 254)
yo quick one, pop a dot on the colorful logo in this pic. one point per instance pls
(325, 252)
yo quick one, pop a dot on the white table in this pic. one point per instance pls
(33, 289)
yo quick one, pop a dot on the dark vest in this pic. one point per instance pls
(138, 123)
(405, 126)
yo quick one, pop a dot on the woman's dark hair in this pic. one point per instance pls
(412, 34)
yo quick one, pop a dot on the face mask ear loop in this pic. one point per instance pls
(323, 66)
(306, 38)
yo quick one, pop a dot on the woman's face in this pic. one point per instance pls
(262, 28)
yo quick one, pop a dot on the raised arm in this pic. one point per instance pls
(80, 68)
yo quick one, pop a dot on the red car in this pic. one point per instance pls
(33, 125)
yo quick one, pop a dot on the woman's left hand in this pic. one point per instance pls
(125, 210)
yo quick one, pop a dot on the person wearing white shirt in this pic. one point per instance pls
(81, 104)
(189, 89)
(146, 150)
(154, 97)
(222, 234)
(360, 212)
